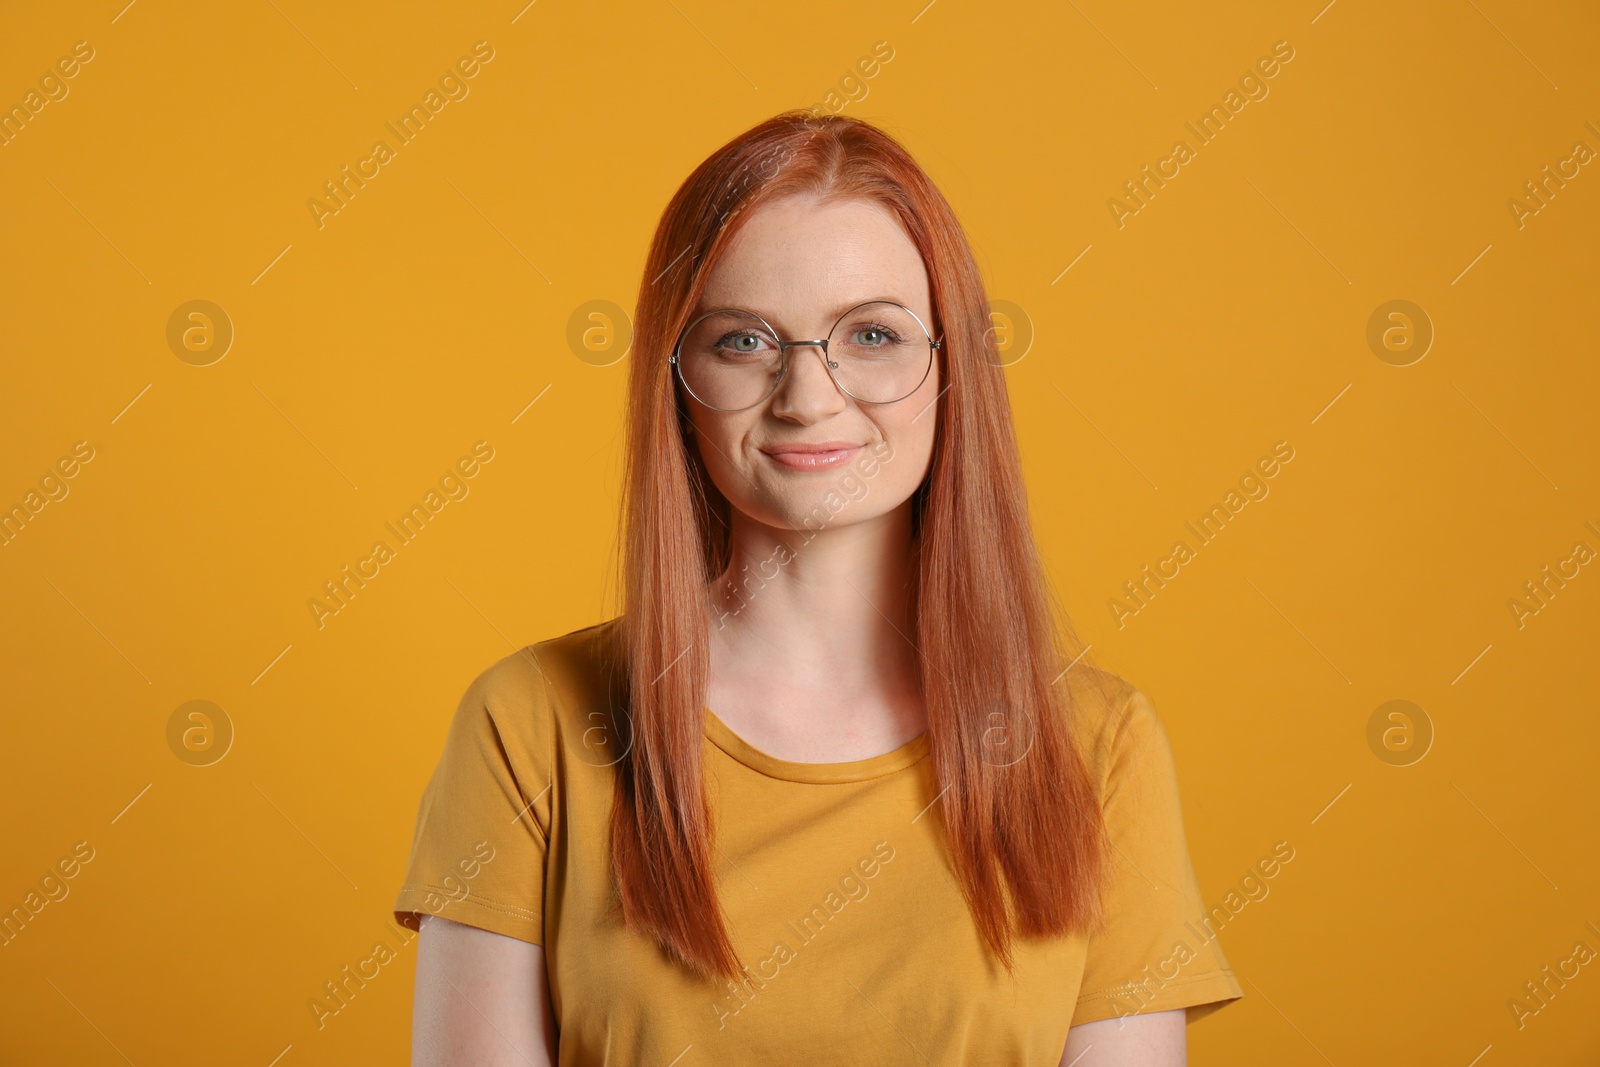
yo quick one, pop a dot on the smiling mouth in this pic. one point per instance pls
(813, 459)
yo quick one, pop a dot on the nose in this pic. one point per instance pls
(807, 391)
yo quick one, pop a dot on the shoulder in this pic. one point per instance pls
(555, 667)
(528, 693)
(1111, 720)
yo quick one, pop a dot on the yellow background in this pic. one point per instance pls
(370, 353)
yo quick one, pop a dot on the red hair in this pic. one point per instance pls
(990, 634)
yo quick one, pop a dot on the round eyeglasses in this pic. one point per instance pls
(730, 359)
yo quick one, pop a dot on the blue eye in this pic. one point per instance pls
(885, 336)
(739, 342)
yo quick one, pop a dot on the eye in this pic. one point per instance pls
(743, 343)
(875, 336)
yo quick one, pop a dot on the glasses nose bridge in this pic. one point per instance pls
(820, 342)
(786, 377)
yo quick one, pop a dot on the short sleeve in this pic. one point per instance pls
(1156, 952)
(478, 851)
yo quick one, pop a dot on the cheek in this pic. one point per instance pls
(717, 441)
(913, 429)
(918, 446)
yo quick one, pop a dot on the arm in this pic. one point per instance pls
(481, 998)
(1153, 1040)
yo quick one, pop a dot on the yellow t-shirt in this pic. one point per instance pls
(834, 878)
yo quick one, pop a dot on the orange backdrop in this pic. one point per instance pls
(1347, 324)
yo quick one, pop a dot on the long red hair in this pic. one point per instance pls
(1023, 828)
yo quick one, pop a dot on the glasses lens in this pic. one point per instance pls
(729, 359)
(880, 353)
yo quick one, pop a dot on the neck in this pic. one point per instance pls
(819, 606)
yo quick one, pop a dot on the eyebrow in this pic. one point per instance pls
(838, 312)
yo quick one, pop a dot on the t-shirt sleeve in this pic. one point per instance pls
(478, 852)
(1156, 952)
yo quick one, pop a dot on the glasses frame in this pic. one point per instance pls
(783, 354)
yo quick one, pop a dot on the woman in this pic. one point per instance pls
(831, 789)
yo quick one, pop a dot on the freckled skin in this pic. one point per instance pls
(799, 263)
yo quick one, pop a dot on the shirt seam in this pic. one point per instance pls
(852, 780)
(492, 905)
(1133, 987)
(1124, 726)
(550, 755)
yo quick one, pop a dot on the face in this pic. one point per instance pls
(800, 264)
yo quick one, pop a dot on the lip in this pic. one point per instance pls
(812, 446)
(817, 455)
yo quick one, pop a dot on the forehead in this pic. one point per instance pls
(799, 260)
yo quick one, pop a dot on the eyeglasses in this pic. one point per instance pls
(730, 359)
